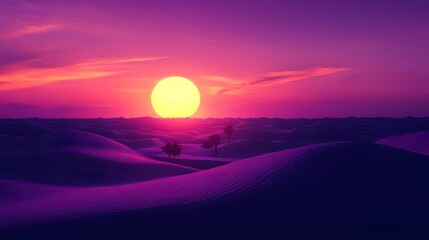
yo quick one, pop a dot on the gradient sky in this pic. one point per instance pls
(249, 58)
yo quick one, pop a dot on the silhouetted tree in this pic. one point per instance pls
(174, 149)
(228, 130)
(213, 141)
(207, 144)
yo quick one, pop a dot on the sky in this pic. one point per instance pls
(265, 58)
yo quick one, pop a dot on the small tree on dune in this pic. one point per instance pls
(172, 149)
(228, 130)
(207, 144)
(213, 141)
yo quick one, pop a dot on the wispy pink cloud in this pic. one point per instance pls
(276, 78)
(221, 83)
(30, 29)
(22, 76)
(120, 60)
(238, 87)
(222, 79)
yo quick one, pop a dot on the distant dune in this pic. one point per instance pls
(416, 142)
(247, 148)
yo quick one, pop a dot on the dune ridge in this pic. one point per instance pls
(415, 142)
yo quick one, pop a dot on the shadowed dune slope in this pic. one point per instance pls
(77, 140)
(22, 128)
(415, 142)
(247, 148)
(142, 143)
(80, 158)
(13, 191)
(317, 189)
(194, 162)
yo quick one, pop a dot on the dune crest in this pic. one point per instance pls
(415, 142)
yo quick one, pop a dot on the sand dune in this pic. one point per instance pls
(247, 148)
(108, 179)
(14, 191)
(416, 142)
(197, 162)
(340, 184)
(80, 158)
(142, 143)
(195, 156)
(72, 139)
(22, 128)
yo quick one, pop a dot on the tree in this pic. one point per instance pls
(228, 130)
(174, 149)
(207, 144)
(213, 141)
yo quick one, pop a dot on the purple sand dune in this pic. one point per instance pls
(415, 142)
(195, 156)
(14, 191)
(142, 143)
(23, 128)
(80, 158)
(195, 162)
(247, 148)
(359, 188)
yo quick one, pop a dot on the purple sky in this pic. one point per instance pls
(248, 58)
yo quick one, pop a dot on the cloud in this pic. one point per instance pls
(238, 87)
(23, 75)
(275, 78)
(10, 56)
(30, 29)
(225, 85)
(224, 79)
(122, 60)
(216, 90)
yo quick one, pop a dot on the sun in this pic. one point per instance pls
(175, 97)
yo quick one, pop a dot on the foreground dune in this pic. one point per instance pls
(316, 190)
(13, 191)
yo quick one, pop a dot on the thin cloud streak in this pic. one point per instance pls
(238, 87)
(275, 78)
(22, 76)
(119, 61)
(224, 79)
(31, 29)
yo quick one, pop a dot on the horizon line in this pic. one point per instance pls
(198, 118)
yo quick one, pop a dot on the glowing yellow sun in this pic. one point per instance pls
(175, 97)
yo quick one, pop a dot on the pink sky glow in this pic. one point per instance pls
(248, 58)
